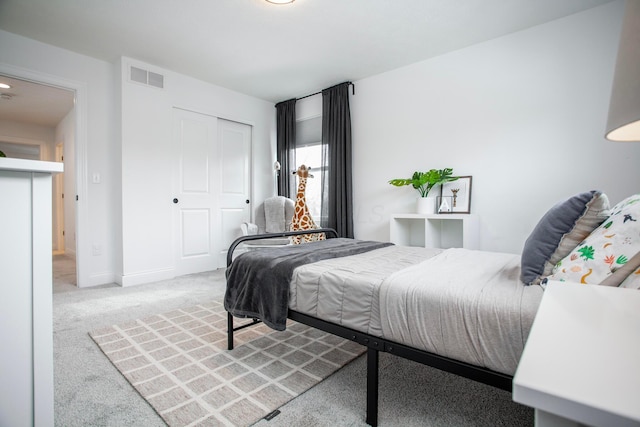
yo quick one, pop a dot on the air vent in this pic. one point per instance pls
(156, 80)
(146, 77)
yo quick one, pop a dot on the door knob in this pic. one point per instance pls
(175, 200)
(247, 201)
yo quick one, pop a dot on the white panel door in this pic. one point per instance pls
(234, 148)
(195, 191)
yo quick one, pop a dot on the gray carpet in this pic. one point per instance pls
(89, 391)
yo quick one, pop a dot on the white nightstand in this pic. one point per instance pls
(435, 230)
(581, 362)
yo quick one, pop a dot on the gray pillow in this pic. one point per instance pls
(559, 231)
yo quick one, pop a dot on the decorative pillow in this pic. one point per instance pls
(607, 249)
(632, 281)
(620, 274)
(559, 231)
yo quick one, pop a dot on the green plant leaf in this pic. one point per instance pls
(400, 182)
(586, 252)
(425, 181)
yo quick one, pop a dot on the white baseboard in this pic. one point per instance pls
(140, 278)
(99, 279)
(131, 279)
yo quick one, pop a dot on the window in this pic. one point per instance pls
(309, 153)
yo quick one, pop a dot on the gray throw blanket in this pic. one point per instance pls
(258, 281)
(275, 221)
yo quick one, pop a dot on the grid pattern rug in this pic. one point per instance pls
(179, 363)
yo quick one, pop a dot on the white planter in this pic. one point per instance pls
(426, 205)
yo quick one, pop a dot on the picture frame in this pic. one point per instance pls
(460, 192)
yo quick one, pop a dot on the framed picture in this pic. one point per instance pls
(460, 193)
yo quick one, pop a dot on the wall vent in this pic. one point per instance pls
(146, 77)
(156, 80)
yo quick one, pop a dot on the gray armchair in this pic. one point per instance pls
(272, 216)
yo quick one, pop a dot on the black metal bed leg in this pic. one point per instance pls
(372, 386)
(229, 331)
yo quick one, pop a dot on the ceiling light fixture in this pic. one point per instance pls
(5, 86)
(280, 1)
(624, 111)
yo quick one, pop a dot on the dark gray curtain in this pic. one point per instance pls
(286, 146)
(337, 208)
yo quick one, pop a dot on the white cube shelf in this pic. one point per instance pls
(435, 230)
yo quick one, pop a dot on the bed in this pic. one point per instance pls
(351, 296)
(462, 311)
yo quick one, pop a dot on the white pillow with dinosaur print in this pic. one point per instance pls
(607, 249)
(632, 281)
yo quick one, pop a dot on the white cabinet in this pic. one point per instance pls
(435, 230)
(26, 324)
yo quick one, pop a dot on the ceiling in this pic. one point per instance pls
(276, 52)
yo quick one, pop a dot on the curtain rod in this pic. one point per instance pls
(353, 91)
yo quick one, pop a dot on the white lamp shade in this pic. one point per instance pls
(624, 111)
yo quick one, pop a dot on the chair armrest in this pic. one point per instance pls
(248, 229)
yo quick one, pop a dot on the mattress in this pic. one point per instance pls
(463, 304)
(346, 290)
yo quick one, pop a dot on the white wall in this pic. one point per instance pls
(523, 114)
(147, 164)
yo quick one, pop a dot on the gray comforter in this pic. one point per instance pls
(466, 305)
(258, 281)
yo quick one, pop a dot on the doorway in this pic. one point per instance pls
(37, 122)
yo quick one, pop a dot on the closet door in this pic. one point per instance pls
(211, 188)
(234, 145)
(195, 191)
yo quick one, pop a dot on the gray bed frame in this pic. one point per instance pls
(373, 344)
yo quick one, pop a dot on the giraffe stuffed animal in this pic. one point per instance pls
(302, 219)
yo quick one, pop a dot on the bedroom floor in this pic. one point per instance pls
(89, 390)
(64, 273)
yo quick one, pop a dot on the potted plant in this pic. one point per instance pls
(424, 182)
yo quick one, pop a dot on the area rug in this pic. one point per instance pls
(178, 362)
